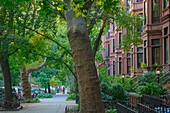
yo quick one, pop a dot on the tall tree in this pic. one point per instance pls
(25, 82)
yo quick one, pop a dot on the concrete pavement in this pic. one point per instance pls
(56, 104)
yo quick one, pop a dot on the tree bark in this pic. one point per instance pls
(7, 79)
(25, 82)
(89, 88)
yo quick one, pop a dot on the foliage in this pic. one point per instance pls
(71, 97)
(150, 77)
(53, 82)
(143, 65)
(34, 100)
(150, 89)
(112, 91)
(45, 95)
(111, 111)
(117, 92)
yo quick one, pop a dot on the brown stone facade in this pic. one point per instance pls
(155, 34)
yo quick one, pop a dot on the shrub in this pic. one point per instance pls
(118, 92)
(45, 95)
(71, 97)
(111, 111)
(35, 100)
(150, 89)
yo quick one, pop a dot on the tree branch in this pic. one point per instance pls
(12, 52)
(70, 70)
(37, 68)
(51, 40)
(97, 41)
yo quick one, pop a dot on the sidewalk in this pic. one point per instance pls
(56, 104)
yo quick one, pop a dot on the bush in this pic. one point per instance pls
(71, 97)
(35, 100)
(117, 92)
(45, 95)
(150, 89)
(111, 111)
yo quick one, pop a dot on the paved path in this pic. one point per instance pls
(54, 105)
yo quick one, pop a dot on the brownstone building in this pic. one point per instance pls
(155, 33)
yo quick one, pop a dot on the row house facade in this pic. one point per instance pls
(155, 33)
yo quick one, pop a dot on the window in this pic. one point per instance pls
(166, 50)
(155, 11)
(108, 34)
(114, 67)
(113, 26)
(145, 12)
(132, 56)
(128, 63)
(120, 38)
(139, 56)
(108, 50)
(165, 3)
(155, 51)
(113, 45)
(140, 29)
(108, 69)
(165, 30)
(139, 0)
(120, 65)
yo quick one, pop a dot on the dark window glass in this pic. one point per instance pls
(108, 69)
(108, 50)
(139, 56)
(139, 49)
(132, 56)
(145, 43)
(145, 58)
(155, 42)
(120, 66)
(113, 26)
(166, 50)
(128, 63)
(155, 51)
(165, 4)
(139, 0)
(120, 38)
(113, 45)
(155, 11)
(155, 55)
(114, 67)
(166, 31)
(145, 12)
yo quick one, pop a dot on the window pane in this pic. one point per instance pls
(113, 45)
(166, 2)
(108, 51)
(120, 66)
(108, 69)
(139, 59)
(139, 49)
(139, 0)
(120, 38)
(166, 50)
(155, 42)
(145, 11)
(155, 55)
(114, 67)
(155, 11)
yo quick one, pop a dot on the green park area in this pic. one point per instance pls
(50, 47)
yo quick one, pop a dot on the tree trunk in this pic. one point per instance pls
(49, 90)
(89, 88)
(26, 87)
(7, 81)
(25, 82)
